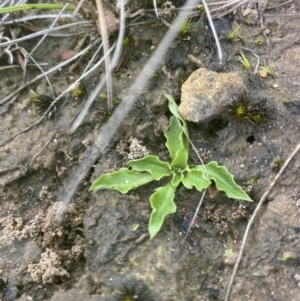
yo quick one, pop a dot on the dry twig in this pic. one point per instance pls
(40, 151)
(236, 266)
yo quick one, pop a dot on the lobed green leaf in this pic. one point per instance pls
(175, 144)
(180, 160)
(177, 178)
(151, 164)
(122, 180)
(162, 203)
(224, 180)
(173, 107)
(195, 178)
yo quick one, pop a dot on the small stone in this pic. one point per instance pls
(160, 267)
(263, 73)
(297, 277)
(207, 94)
(229, 257)
(66, 54)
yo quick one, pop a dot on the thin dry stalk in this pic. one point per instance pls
(45, 145)
(34, 17)
(26, 54)
(16, 66)
(280, 5)
(258, 59)
(104, 35)
(54, 102)
(113, 64)
(7, 98)
(213, 29)
(193, 219)
(203, 194)
(78, 7)
(42, 32)
(155, 8)
(46, 34)
(95, 55)
(240, 254)
(228, 7)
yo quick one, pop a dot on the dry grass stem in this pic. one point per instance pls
(35, 17)
(104, 34)
(42, 32)
(113, 64)
(51, 26)
(240, 254)
(212, 27)
(79, 5)
(27, 55)
(54, 101)
(280, 5)
(16, 66)
(155, 8)
(258, 59)
(51, 136)
(228, 7)
(62, 64)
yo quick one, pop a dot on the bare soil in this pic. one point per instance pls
(99, 247)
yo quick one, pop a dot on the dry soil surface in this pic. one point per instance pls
(99, 247)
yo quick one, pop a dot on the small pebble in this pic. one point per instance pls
(297, 277)
(66, 54)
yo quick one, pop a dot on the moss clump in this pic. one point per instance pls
(132, 290)
(244, 61)
(128, 42)
(44, 101)
(234, 36)
(260, 41)
(78, 90)
(185, 30)
(247, 112)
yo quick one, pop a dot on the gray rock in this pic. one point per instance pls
(32, 252)
(206, 94)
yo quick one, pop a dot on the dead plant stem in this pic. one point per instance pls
(114, 63)
(45, 145)
(104, 35)
(213, 29)
(203, 194)
(236, 266)
(7, 98)
(42, 32)
(257, 56)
